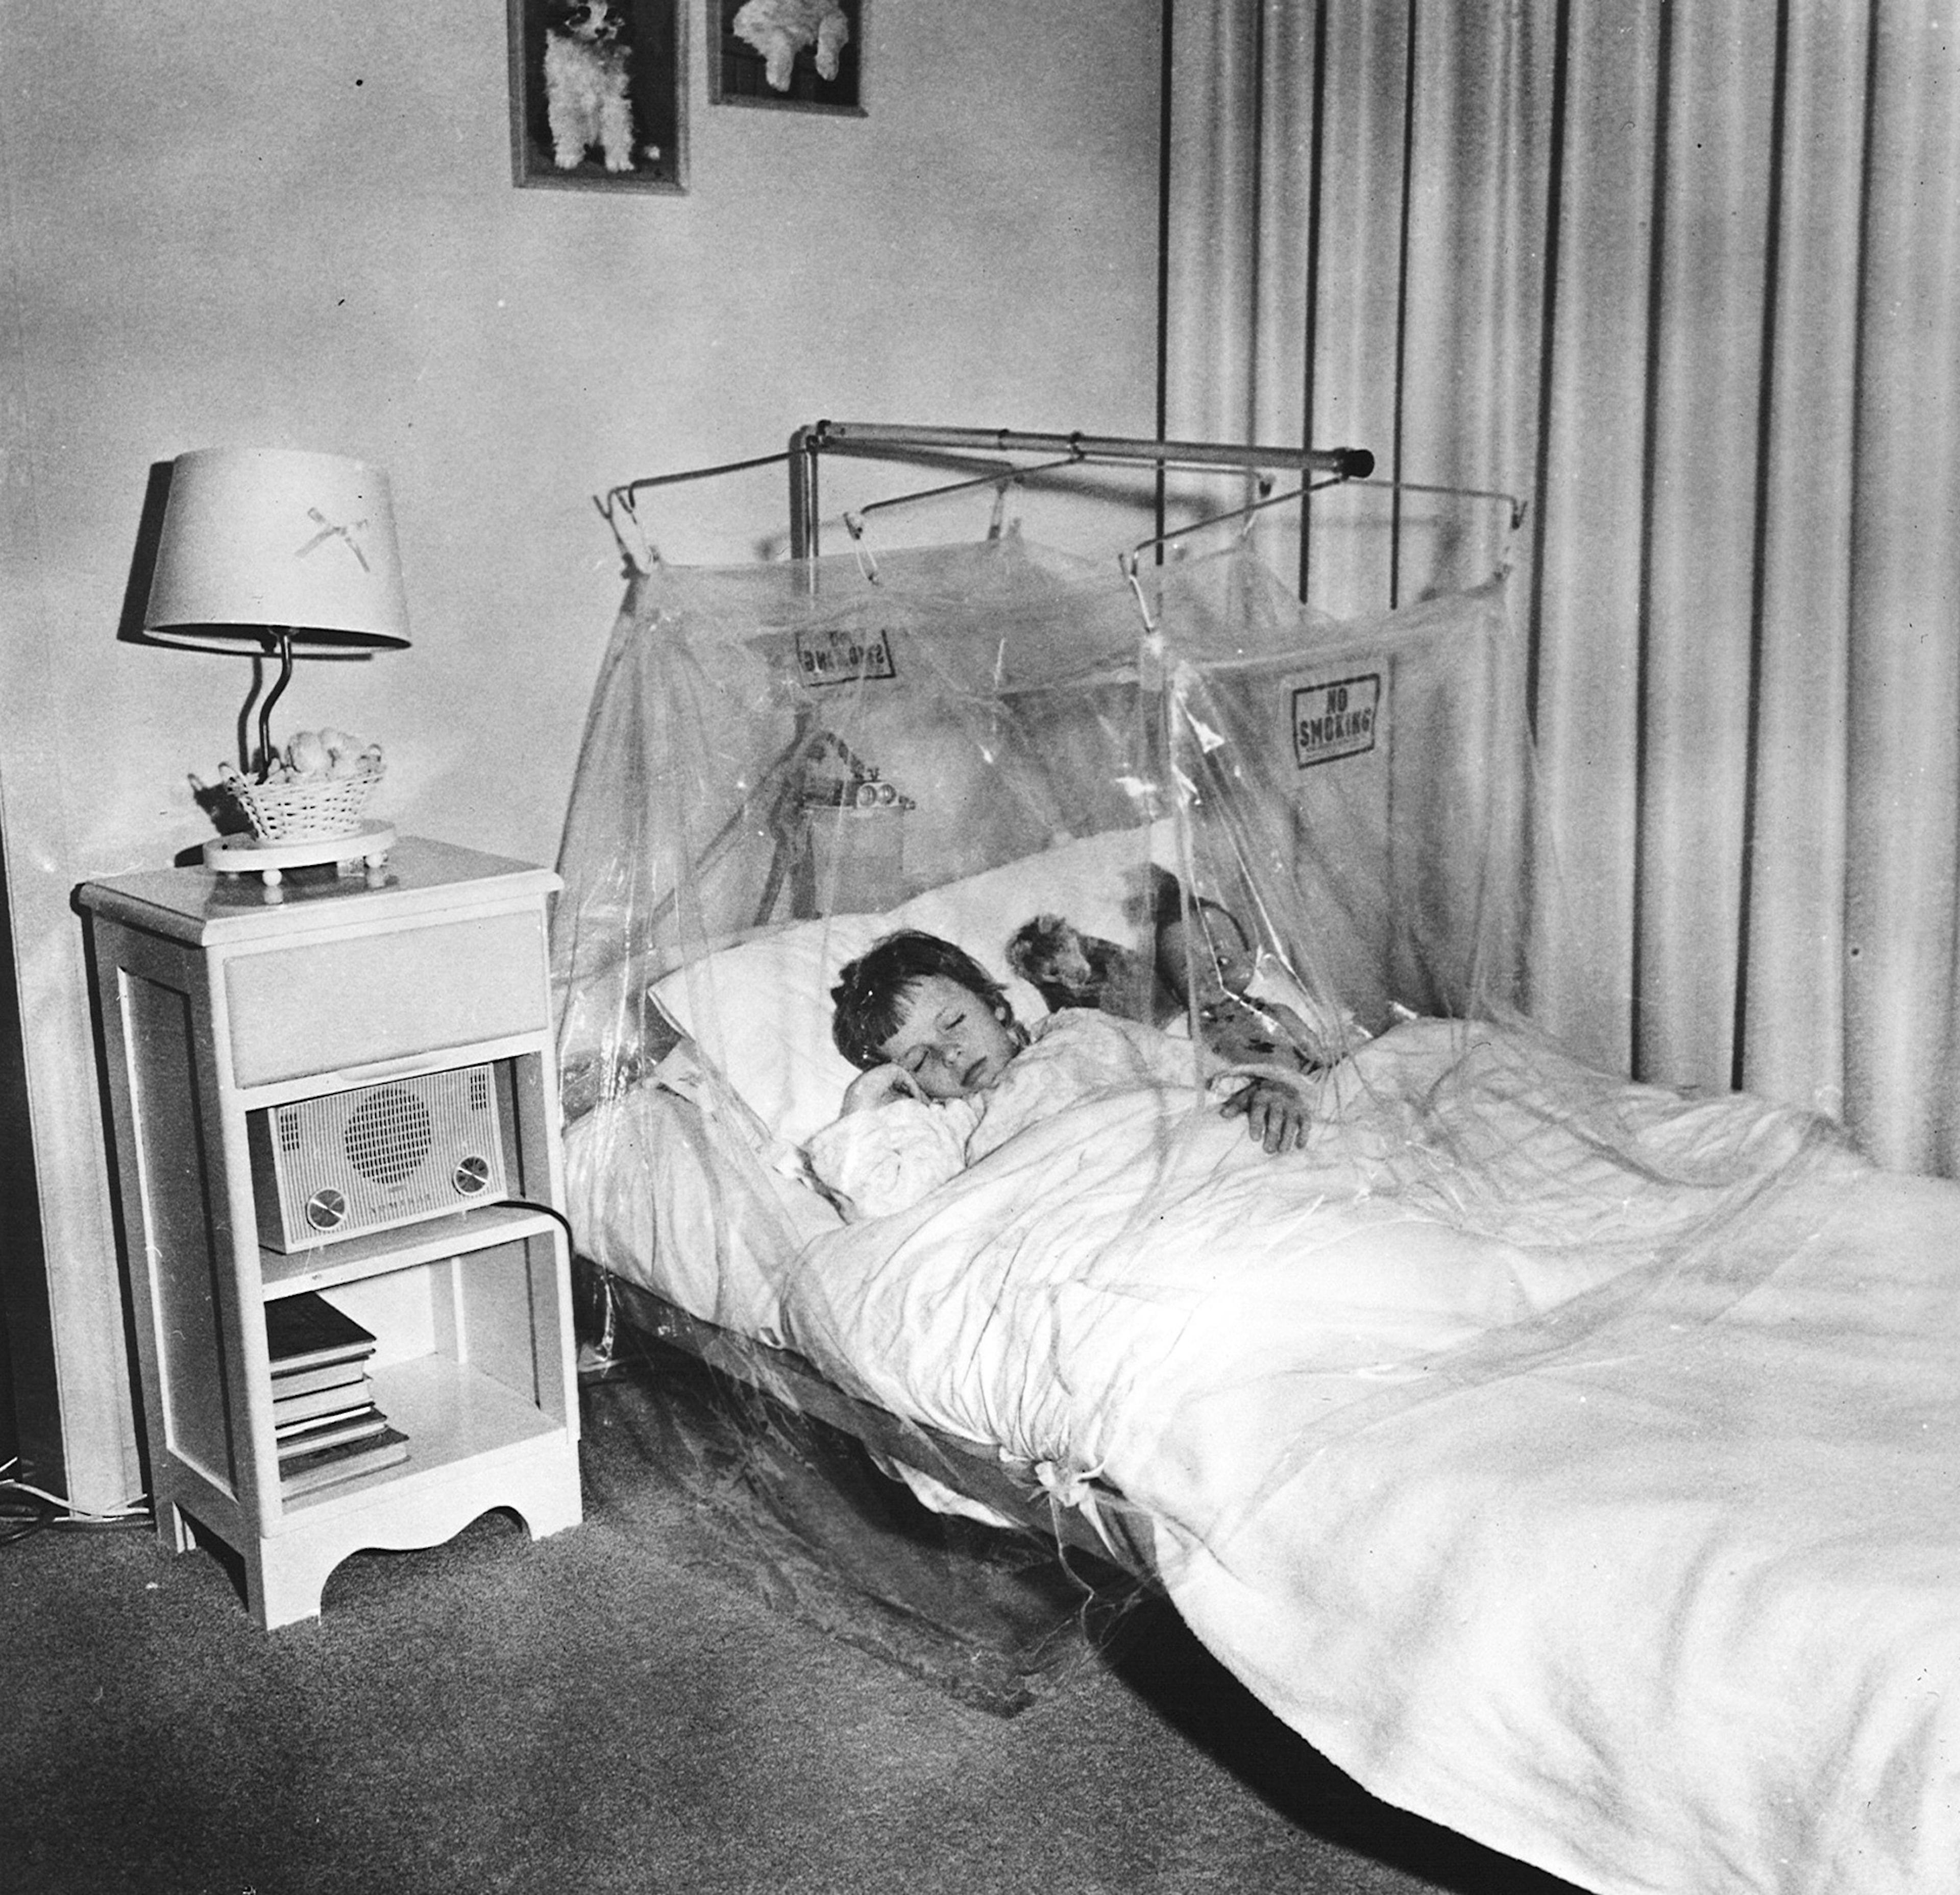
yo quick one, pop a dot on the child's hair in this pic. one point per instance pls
(871, 990)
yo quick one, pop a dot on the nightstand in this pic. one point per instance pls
(350, 1094)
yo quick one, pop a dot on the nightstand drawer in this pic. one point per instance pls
(326, 1006)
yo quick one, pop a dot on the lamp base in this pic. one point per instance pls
(368, 845)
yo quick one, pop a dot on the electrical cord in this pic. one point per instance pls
(22, 1518)
(598, 1359)
(548, 1210)
(26, 1510)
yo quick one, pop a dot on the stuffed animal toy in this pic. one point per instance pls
(779, 30)
(1257, 1033)
(1068, 968)
(1241, 1028)
(587, 99)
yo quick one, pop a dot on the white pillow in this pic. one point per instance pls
(761, 1010)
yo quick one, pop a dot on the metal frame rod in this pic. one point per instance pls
(1129, 559)
(893, 440)
(627, 490)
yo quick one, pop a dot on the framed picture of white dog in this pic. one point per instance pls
(806, 55)
(599, 94)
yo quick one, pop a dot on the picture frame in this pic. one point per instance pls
(599, 94)
(739, 72)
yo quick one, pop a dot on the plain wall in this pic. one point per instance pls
(294, 225)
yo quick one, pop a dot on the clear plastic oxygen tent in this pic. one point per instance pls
(1570, 1460)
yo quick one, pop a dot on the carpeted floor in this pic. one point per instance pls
(619, 1708)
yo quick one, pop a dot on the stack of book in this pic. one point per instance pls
(323, 1414)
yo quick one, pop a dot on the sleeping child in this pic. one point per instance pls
(947, 1074)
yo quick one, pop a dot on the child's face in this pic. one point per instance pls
(950, 1040)
(1210, 948)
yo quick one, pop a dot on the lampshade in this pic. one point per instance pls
(260, 539)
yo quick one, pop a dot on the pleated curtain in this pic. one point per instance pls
(1685, 280)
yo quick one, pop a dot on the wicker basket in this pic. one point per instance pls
(311, 810)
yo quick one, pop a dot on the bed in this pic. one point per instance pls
(1571, 1461)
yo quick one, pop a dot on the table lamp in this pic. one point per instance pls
(271, 552)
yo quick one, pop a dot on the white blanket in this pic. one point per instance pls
(1586, 1482)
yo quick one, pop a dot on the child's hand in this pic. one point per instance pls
(1275, 1114)
(880, 1086)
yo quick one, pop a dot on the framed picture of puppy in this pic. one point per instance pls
(599, 94)
(805, 55)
